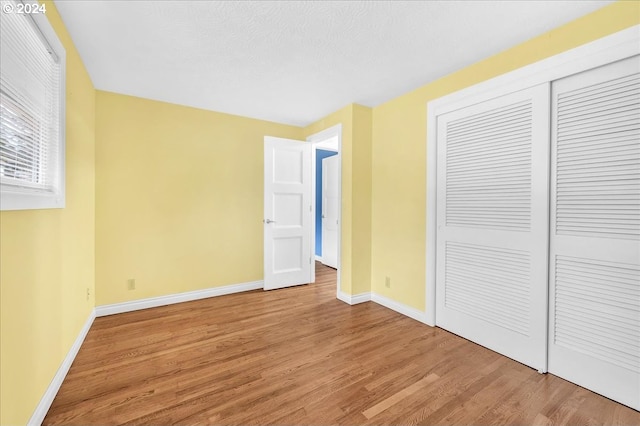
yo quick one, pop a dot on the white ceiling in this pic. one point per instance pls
(294, 62)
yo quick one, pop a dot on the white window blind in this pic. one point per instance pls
(31, 113)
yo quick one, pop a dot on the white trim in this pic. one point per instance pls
(354, 299)
(327, 133)
(611, 48)
(330, 144)
(400, 308)
(319, 258)
(617, 46)
(315, 139)
(47, 399)
(152, 302)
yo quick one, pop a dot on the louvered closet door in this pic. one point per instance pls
(594, 325)
(492, 240)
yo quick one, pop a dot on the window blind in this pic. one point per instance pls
(29, 107)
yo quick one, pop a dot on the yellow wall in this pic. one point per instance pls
(399, 151)
(179, 197)
(355, 256)
(47, 261)
(361, 199)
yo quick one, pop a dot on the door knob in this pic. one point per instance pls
(267, 221)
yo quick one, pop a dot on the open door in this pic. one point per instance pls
(330, 208)
(287, 213)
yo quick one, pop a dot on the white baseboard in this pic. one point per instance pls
(47, 399)
(400, 308)
(152, 302)
(386, 302)
(355, 299)
(360, 298)
(318, 258)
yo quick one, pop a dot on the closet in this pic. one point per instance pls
(538, 226)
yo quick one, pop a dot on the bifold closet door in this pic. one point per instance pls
(594, 311)
(492, 237)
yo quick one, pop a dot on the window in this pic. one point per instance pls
(32, 114)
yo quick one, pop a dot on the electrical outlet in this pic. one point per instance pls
(387, 282)
(131, 284)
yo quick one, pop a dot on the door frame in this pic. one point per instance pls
(321, 140)
(612, 48)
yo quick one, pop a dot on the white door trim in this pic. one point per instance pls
(317, 139)
(620, 45)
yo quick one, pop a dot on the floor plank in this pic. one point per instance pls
(299, 356)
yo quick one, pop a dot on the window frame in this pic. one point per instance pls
(16, 198)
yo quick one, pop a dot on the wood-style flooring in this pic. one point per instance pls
(298, 356)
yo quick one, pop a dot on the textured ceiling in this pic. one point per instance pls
(294, 61)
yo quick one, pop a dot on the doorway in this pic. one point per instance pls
(326, 224)
(327, 145)
(290, 214)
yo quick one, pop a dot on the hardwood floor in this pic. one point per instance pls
(298, 356)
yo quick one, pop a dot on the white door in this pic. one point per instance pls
(287, 213)
(594, 307)
(492, 221)
(330, 206)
